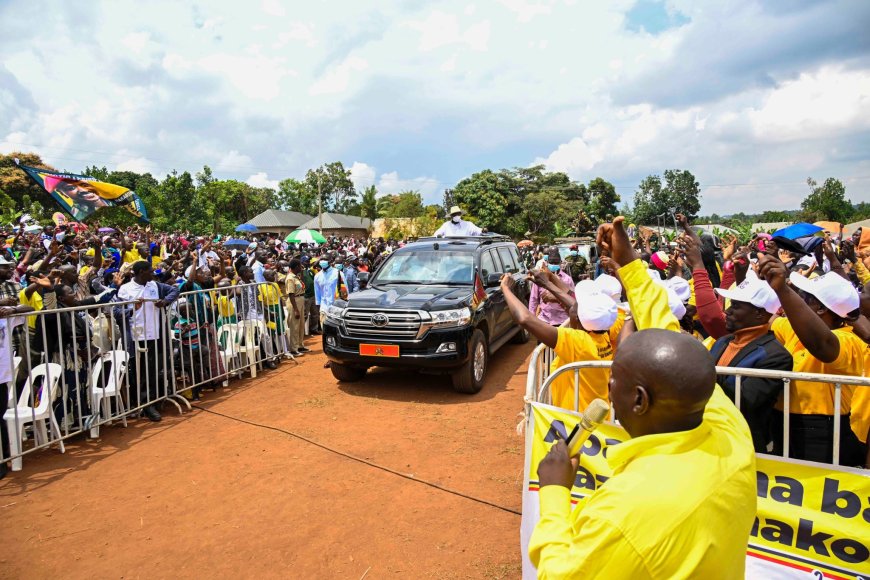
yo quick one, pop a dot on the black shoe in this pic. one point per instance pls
(303, 350)
(152, 413)
(270, 364)
(327, 365)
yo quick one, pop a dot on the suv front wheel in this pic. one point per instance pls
(347, 374)
(469, 378)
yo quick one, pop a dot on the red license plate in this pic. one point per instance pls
(388, 350)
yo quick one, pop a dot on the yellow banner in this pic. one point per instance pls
(811, 520)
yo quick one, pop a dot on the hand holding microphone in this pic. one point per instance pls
(559, 467)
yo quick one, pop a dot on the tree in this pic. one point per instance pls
(23, 193)
(333, 182)
(485, 196)
(368, 205)
(295, 195)
(826, 202)
(680, 193)
(407, 204)
(603, 198)
(543, 209)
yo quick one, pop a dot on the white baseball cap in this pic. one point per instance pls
(596, 311)
(585, 287)
(609, 285)
(680, 287)
(832, 290)
(676, 305)
(755, 291)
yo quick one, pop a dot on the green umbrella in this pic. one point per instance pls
(305, 237)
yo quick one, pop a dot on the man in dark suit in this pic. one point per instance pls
(752, 345)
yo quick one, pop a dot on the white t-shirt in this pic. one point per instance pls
(146, 318)
(5, 351)
(463, 228)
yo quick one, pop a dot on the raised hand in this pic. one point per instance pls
(773, 271)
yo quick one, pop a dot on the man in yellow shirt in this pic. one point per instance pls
(818, 334)
(682, 498)
(130, 255)
(591, 316)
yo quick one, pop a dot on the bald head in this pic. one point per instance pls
(660, 382)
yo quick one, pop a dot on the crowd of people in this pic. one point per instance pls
(127, 286)
(766, 305)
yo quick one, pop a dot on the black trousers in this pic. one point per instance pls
(811, 437)
(148, 371)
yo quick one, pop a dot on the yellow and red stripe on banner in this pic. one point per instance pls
(812, 521)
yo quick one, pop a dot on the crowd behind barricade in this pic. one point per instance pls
(162, 313)
(790, 302)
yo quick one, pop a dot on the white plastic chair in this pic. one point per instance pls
(103, 389)
(10, 393)
(230, 337)
(17, 417)
(253, 331)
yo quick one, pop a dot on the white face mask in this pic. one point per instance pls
(456, 219)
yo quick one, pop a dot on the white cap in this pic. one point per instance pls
(609, 285)
(754, 291)
(832, 290)
(596, 311)
(585, 287)
(680, 287)
(676, 305)
(252, 246)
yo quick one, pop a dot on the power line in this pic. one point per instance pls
(374, 181)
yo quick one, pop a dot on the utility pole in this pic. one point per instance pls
(319, 203)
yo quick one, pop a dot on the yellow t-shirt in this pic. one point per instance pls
(130, 256)
(860, 419)
(695, 526)
(225, 307)
(577, 346)
(270, 294)
(35, 302)
(810, 398)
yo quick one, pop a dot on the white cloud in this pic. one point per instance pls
(828, 101)
(390, 183)
(136, 41)
(443, 29)
(273, 8)
(261, 179)
(137, 164)
(233, 160)
(362, 175)
(337, 79)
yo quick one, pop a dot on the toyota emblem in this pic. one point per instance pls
(380, 319)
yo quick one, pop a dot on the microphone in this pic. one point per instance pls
(594, 414)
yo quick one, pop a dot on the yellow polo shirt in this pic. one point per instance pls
(678, 505)
(577, 346)
(809, 398)
(860, 418)
(35, 302)
(130, 256)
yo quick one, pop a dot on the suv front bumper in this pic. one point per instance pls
(418, 354)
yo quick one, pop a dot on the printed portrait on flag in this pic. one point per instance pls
(80, 195)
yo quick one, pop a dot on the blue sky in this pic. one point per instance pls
(752, 97)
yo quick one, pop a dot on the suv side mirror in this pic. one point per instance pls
(362, 276)
(493, 280)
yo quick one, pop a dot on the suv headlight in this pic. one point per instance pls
(442, 318)
(334, 312)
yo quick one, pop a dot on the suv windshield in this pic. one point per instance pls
(426, 267)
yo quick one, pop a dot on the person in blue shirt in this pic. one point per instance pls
(351, 276)
(325, 286)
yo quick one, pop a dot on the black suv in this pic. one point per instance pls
(435, 306)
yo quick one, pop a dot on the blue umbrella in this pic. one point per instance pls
(246, 228)
(236, 244)
(795, 231)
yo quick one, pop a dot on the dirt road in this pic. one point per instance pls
(206, 495)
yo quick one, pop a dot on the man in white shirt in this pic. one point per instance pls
(147, 325)
(457, 226)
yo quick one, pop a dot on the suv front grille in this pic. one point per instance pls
(399, 326)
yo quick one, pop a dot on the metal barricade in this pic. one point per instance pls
(78, 368)
(538, 390)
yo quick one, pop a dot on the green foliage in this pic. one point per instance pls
(407, 204)
(826, 202)
(368, 206)
(333, 182)
(603, 199)
(680, 193)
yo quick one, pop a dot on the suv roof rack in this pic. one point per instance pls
(483, 239)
